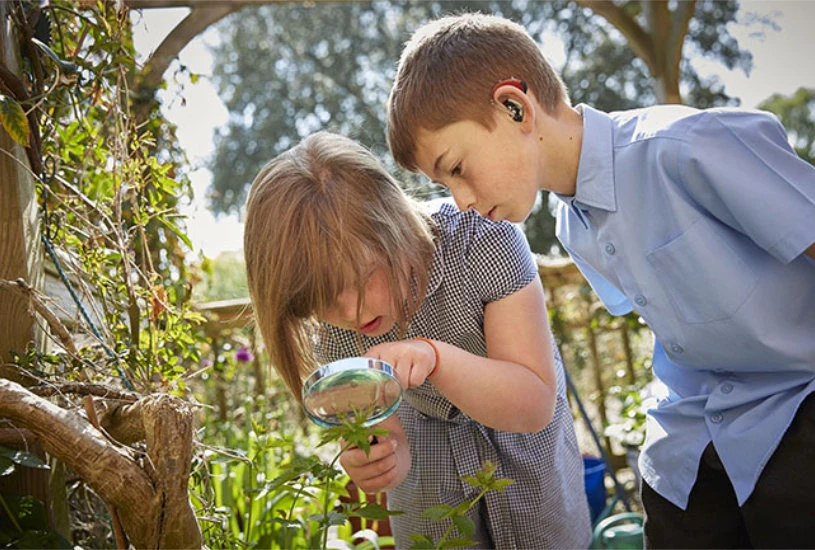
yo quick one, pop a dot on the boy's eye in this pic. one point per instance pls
(456, 171)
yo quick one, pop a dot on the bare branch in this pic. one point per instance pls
(637, 37)
(24, 290)
(191, 26)
(97, 390)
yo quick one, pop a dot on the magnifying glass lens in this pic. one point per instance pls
(343, 389)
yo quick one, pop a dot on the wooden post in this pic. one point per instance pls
(20, 251)
(20, 257)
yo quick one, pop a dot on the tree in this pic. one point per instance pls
(797, 114)
(285, 71)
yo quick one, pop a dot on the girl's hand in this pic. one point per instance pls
(413, 360)
(387, 464)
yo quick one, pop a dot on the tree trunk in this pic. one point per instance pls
(151, 501)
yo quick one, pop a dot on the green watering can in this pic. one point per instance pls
(619, 532)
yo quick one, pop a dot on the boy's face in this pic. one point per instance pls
(376, 316)
(491, 171)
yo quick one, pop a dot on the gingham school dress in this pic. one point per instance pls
(478, 261)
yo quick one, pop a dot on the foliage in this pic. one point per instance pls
(223, 278)
(109, 202)
(485, 481)
(797, 114)
(23, 521)
(107, 188)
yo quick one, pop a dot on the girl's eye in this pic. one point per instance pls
(456, 171)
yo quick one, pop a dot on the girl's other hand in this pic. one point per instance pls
(413, 360)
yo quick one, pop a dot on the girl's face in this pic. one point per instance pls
(376, 316)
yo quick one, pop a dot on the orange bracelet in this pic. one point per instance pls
(435, 351)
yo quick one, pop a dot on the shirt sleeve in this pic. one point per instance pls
(740, 167)
(500, 260)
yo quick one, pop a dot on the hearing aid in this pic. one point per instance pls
(516, 110)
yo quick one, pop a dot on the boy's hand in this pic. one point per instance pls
(413, 360)
(387, 464)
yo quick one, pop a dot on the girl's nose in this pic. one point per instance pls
(346, 307)
(465, 198)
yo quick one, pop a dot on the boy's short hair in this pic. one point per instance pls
(448, 69)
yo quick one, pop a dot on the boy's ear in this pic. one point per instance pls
(511, 99)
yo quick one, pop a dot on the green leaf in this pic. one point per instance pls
(458, 542)
(375, 511)
(177, 230)
(6, 466)
(14, 120)
(500, 484)
(436, 513)
(29, 512)
(464, 525)
(421, 542)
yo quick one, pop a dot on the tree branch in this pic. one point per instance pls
(153, 506)
(680, 22)
(191, 26)
(638, 39)
(70, 438)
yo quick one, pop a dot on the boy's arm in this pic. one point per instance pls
(514, 389)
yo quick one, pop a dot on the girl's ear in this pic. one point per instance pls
(512, 101)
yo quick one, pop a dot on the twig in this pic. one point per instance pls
(24, 290)
(97, 390)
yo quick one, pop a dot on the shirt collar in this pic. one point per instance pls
(595, 174)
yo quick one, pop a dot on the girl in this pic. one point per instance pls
(340, 262)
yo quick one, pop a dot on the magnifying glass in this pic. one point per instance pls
(343, 389)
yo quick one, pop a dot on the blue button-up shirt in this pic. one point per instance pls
(698, 220)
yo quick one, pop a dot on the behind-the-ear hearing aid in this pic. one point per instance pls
(516, 110)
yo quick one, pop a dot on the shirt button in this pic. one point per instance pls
(640, 300)
(610, 250)
(676, 348)
(716, 418)
(727, 387)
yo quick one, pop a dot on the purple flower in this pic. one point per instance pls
(243, 355)
(206, 363)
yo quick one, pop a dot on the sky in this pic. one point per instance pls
(780, 65)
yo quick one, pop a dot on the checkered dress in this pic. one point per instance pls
(478, 261)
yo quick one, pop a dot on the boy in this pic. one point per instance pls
(704, 221)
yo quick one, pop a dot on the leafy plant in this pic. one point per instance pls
(278, 494)
(485, 480)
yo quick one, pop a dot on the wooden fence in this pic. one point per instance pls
(600, 352)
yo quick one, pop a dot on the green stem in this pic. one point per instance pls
(450, 529)
(10, 515)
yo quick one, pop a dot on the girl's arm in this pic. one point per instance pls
(513, 389)
(387, 464)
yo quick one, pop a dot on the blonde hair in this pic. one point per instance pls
(317, 216)
(448, 69)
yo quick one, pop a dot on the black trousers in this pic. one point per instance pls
(780, 512)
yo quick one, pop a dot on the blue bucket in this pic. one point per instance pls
(594, 470)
